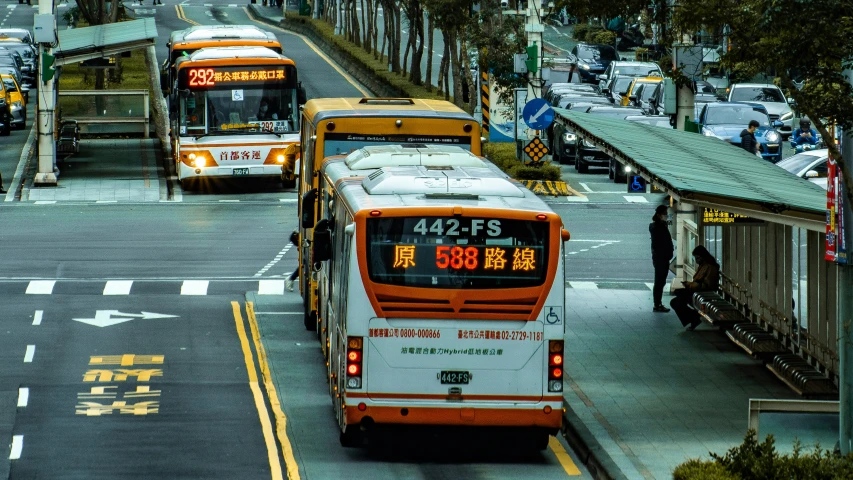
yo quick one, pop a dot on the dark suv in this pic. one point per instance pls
(590, 60)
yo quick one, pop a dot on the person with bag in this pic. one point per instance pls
(706, 278)
(662, 251)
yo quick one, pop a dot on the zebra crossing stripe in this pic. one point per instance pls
(118, 287)
(584, 285)
(194, 287)
(40, 287)
(271, 287)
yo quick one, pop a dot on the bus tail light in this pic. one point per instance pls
(555, 365)
(355, 355)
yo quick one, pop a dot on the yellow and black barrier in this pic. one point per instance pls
(484, 99)
(547, 187)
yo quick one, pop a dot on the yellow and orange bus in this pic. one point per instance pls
(441, 281)
(236, 111)
(335, 126)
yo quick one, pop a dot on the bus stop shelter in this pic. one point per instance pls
(765, 226)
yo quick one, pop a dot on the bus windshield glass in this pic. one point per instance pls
(457, 252)
(346, 143)
(229, 100)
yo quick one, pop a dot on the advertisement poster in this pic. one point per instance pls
(831, 214)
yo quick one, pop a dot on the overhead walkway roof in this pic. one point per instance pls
(78, 44)
(704, 171)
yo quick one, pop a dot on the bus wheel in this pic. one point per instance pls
(351, 437)
(540, 440)
(310, 320)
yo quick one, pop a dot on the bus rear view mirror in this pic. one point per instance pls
(565, 235)
(322, 243)
(309, 204)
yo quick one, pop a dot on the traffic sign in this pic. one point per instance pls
(636, 184)
(537, 114)
(536, 150)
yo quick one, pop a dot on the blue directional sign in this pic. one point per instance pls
(537, 114)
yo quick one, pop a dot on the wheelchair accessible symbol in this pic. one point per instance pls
(554, 315)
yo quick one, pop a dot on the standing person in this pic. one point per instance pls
(747, 138)
(706, 278)
(662, 250)
(294, 239)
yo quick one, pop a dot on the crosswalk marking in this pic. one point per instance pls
(194, 287)
(650, 285)
(584, 285)
(118, 287)
(271, 287)
(635, 199)
(40, 287)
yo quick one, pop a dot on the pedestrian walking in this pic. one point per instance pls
(294, 239)
(662, 251)
(747, 138)
(706, 278)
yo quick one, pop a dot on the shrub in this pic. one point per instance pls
(605, 37)
(526, 172)
(501, 154)
(699, 470)
(581, 30)
(641, 54)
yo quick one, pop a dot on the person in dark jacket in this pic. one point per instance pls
(747, 138)
(661, 255)
(706, 279)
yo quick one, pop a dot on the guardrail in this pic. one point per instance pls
(118, 111)
(758, 406)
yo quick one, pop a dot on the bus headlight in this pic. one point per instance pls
(191, 157)
(200, 162)
(279, 159)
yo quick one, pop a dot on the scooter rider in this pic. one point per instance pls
(805, 137)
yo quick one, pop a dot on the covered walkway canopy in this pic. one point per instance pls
(79, 44)
(773, 265)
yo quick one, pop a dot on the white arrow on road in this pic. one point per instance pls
(105, 318)
(535, 116)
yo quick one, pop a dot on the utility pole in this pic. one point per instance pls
(845, 304)
(44, 31)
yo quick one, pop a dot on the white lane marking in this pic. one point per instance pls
(271, 287)
(106, 201)
(232, 4)
(650, 285)
(288, 200)
(118, 287)
(44, 202)
(194, 287)
(37, 317)
(275, 260)
(586, 187)
(635, 199)
(23, 396)
(572, 253)
(595, 241)
(17, 447)
(205, 5)
(31, 352)
(229, 201)
(584, 249)
(40, 287)
(584, 285)
(577, 199)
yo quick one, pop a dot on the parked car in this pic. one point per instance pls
(617, 88)
(588, 154)
(16, 100)
(562, 140)
(726, 120)
(558, 88)
(590, 60)
(21, 34)
(27, 73)
(27, 53)
(771, 97)
(5, 112)
(811, 165)
(618, 172)
(636, 86)
(629, 69)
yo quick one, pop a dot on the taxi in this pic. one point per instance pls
(631, 98)
(5, 112)
(15, 99)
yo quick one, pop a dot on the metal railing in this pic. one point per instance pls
(758, 406)
(110, 111)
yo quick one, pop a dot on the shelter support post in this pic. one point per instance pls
(845, 307)
(161, 113)
(686, 237)
(46, 120)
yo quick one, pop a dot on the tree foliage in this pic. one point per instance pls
(793, 40)
(496, 38)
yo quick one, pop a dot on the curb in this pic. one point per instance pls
(589, 451)
(547, 187)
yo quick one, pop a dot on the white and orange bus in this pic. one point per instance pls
(237, 110)
(183, 43)
(442, 283)
(338, 126)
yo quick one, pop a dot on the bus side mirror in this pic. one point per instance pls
(301, 95)
(322, 243)
(565, 235)
(309, 204)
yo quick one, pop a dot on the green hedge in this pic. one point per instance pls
(604, 37)
(378, 68)
(587, 33)
(760, 461)
(503, 155)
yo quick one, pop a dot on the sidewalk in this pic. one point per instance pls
(647, 395)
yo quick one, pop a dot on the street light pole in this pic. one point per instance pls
(46, 110)
(845, 304)
(534, 29)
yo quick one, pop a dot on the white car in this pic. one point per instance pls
(771, 97)
(811, 165)
(628, 69)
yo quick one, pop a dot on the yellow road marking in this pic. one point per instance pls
(183, 16)
(574, 192)
(266, 425)
(322, 55)
(563, 457)
(280, 417)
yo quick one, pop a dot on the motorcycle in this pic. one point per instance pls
(631, 37)
(806, 147)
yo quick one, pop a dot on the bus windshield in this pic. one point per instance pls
(457, 252)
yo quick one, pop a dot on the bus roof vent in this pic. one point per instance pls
(213, 53)
(369, 158)
(386, 101)
(459, 182)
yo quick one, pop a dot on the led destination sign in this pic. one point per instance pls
(208, 77)
(457, 252)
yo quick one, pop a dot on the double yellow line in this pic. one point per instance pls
(183, 16)
(280, 419)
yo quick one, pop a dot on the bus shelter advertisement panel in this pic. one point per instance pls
(836, 245)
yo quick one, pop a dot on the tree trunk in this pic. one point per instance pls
(443, 84)
(406, 54)
(395, 60)
(454, 68)
(416, 36)
(356, 30)
(429, 54)
(366, 44)
(376, 28)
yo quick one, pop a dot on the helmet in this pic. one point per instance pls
(805, 124)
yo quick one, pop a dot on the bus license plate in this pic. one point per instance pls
(240, 171)
(452, 377)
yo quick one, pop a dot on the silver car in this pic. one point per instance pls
(811, 165)
(771, 97)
